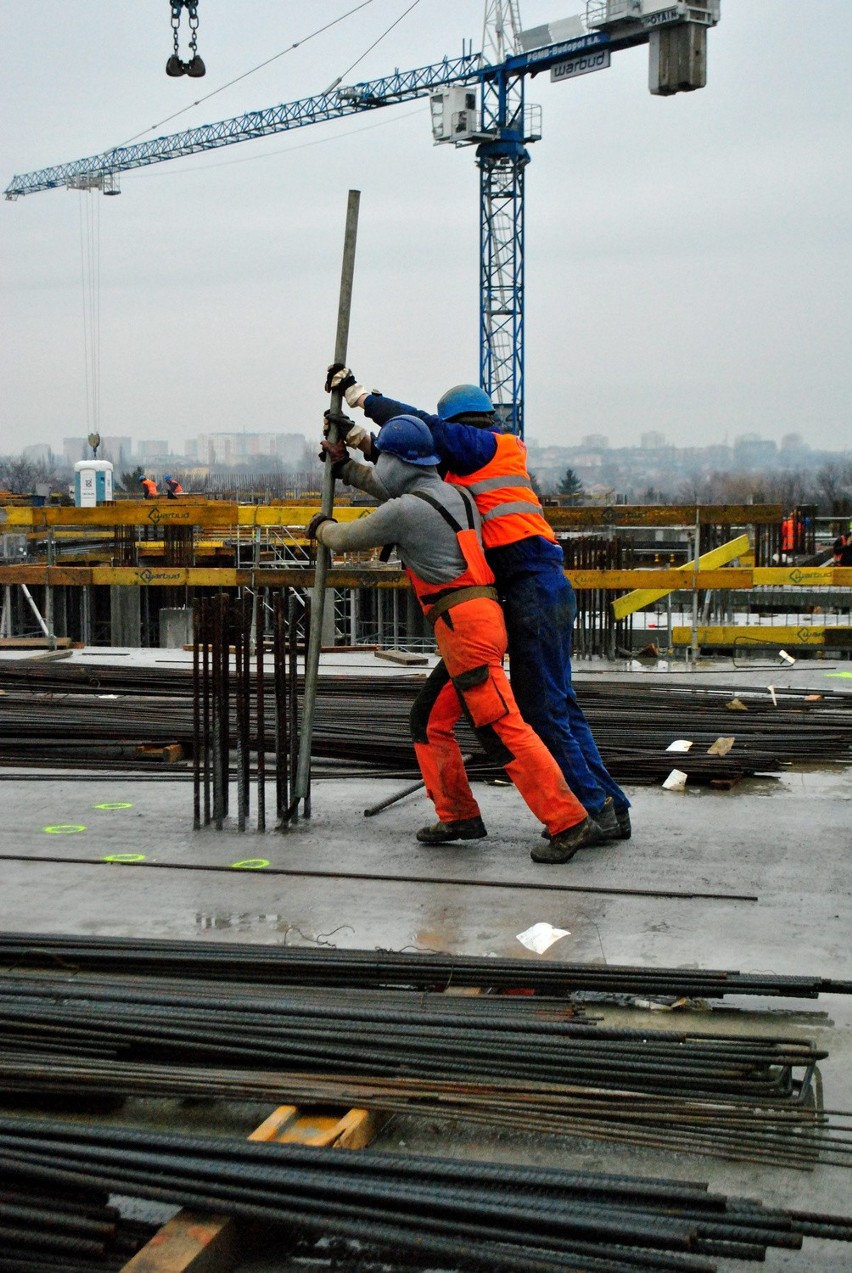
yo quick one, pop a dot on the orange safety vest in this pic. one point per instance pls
(504, 495)
(150, 488)
(477, 578)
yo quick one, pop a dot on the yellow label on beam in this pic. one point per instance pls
(646, 596)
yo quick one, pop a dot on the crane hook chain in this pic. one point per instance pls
(195, 66)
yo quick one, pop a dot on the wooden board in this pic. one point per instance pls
(196, 1243)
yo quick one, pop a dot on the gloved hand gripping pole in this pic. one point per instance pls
(302, 785)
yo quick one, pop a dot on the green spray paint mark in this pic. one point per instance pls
(64, 828)
(250, 864)
(124, 857)
(114, 804)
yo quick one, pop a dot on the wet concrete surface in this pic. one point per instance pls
(785, 840)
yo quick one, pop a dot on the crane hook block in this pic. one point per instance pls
(194, 66)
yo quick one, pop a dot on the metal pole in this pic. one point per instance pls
(303, 770)
(693, 643)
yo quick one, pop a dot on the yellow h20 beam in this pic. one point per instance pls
(641, 597)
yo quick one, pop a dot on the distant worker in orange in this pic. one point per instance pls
(149, 488)
(173, 487)
(788, 536)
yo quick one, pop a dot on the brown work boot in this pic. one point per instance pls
(446, 832)
(562, 847)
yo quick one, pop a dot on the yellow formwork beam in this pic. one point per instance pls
(189, 512)
(641, 597)
(368, 576)
(798, 634)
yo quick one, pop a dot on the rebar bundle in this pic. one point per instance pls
(365, 721)
(52, 1228)
(444, 1213)
(358, 969)
(526, 1063)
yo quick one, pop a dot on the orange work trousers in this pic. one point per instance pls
(471, 639)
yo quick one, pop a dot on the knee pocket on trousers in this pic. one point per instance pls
(480, 696)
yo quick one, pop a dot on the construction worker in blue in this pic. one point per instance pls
(538, 601)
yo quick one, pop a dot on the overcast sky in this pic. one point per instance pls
(687, 258)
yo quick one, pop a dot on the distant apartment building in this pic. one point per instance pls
(74, 449)
(117, 449)
(152, 450)
(38, 453)
(226, 449)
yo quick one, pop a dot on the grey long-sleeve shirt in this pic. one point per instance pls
(426, 543)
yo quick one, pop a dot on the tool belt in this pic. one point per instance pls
(455, 598)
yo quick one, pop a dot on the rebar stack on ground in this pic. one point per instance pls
(71, 722)
(53, 1228)
(446, 1214)
(493, 1059)
(162, 958)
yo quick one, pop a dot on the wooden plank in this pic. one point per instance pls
(194, 1243)
(716, 557)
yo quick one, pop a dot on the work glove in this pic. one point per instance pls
(339, 377)
(315, 523)
(353, 434)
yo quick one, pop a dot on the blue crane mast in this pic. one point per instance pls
(476, 100)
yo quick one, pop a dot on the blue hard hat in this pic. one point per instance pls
(464, 400)
(167, 478)
(143, 479)
(408, 439)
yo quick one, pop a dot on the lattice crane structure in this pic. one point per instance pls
(477, 100)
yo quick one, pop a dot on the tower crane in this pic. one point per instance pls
(476, 100)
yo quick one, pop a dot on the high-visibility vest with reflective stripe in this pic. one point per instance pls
(477, 572)
(503, 491)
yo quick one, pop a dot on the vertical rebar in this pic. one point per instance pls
(260, 741)
(205, 704)
(240, 706)
(196, 717)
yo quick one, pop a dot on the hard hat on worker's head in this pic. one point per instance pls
(464, 400)
(167, 478)
(408, 439)
(143, 478)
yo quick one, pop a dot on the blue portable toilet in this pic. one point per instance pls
(92, 483)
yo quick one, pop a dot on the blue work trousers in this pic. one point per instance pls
(540, 609)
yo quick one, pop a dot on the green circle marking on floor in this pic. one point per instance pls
(125, 857)
(64, 828)
(250, 864)
(114, 804)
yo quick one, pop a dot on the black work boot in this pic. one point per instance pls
(622, 817)
(607, 821)
(446, 832)
(562, 847)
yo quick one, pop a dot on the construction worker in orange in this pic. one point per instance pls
(788, 537)
(173, 487)
(437, 530)
(149, 488)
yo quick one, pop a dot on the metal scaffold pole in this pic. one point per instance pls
(302, 786)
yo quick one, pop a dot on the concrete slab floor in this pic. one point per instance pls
(786, 840)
